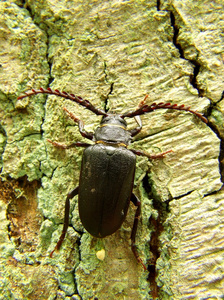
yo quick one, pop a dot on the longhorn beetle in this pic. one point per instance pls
(108, 168)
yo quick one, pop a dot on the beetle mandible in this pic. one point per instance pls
(107, 169)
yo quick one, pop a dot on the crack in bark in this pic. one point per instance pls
(106, 109)
(221, 98)
(157, 229)
(193, 77)
(3, 145)
(175, 34)
(215, 129)
(195, 63)
(201, 92)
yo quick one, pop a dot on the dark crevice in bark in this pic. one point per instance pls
(106, 109)
(222, 96)
(29, 9)
(221, 154)
(175, 35)
(154, 247)
(157, 228)
(212, 124)
(183, 195)
(4, 142)
(193, 77)
(195, 63)
(50, 78)
(75, 281)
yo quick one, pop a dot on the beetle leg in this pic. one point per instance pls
(150, 156)
(138, 119)
(88, 135)
(70, 195)
(62, 146)
(137, 203)
(136, 130)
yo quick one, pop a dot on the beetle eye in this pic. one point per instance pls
(122, 121)
(104, 120)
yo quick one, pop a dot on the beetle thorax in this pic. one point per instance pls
(113, 129)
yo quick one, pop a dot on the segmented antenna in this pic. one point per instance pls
(88, 105)
(149, 108)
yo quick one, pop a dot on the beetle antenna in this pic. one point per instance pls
(144, 108)
(88, 105)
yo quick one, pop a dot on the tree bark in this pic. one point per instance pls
(112, 53)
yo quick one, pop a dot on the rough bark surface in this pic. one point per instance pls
(112, 53)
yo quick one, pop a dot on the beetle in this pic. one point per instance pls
(108, 168)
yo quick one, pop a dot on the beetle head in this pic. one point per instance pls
(113, 120)
(113, 129)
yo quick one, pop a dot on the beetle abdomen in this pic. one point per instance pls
(105, 187)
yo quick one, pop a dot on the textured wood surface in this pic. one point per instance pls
(112, 53)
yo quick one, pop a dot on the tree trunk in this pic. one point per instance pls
(112, 53)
